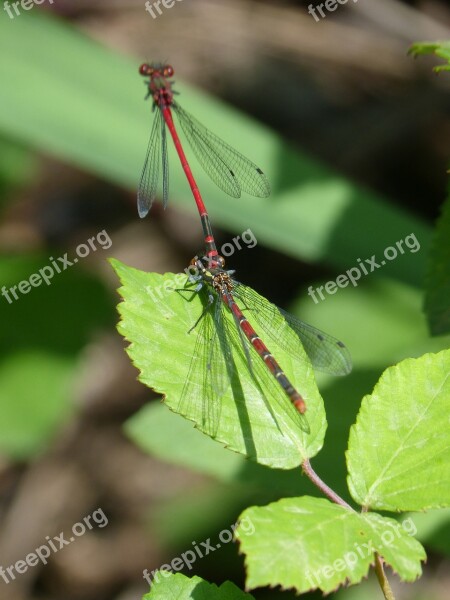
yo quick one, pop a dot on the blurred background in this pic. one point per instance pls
(354, 136)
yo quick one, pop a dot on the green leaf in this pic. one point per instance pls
(168, 586)
(156, 321)
(437, 303)
(441, 49)
(309, 543)
(92, 114)
(398, 456)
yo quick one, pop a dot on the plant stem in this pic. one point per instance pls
(382, 579)
(327, 491)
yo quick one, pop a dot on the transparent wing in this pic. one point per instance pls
(148, 183)
(165, 162)
(211, 365)
(221, 363)
(326, 353)
(229, 169)
(263, 379)
(213, 368)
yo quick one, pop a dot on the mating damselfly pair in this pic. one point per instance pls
(217, 337)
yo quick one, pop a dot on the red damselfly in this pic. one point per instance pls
(229, 169)
(217, 341)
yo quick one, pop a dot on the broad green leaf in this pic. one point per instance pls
(156, 320)
(441, 49)
(394, 541)
(168, 586)
(398, 456)
(437, 300)
(309, 543)
(91, 112)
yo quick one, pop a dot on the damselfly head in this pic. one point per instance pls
(148, 70)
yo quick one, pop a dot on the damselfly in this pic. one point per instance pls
(218, 340)
(229, 169)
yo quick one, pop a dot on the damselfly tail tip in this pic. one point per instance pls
(300, 405)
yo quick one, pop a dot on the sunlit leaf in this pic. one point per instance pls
(156, 320)
(399, 455)
(309, 543)
(167, 586)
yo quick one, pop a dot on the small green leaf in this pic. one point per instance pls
(168, 586)
(309, 543)
(441, 49)
(398, 456)
(156, 320)
(437, 305)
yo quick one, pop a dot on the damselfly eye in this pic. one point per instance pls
(168, 71)
(220, 261)
(145, 69)
(193, 262)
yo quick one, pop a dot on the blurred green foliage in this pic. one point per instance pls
(440, 49)
(42, 334)
(65, 95)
